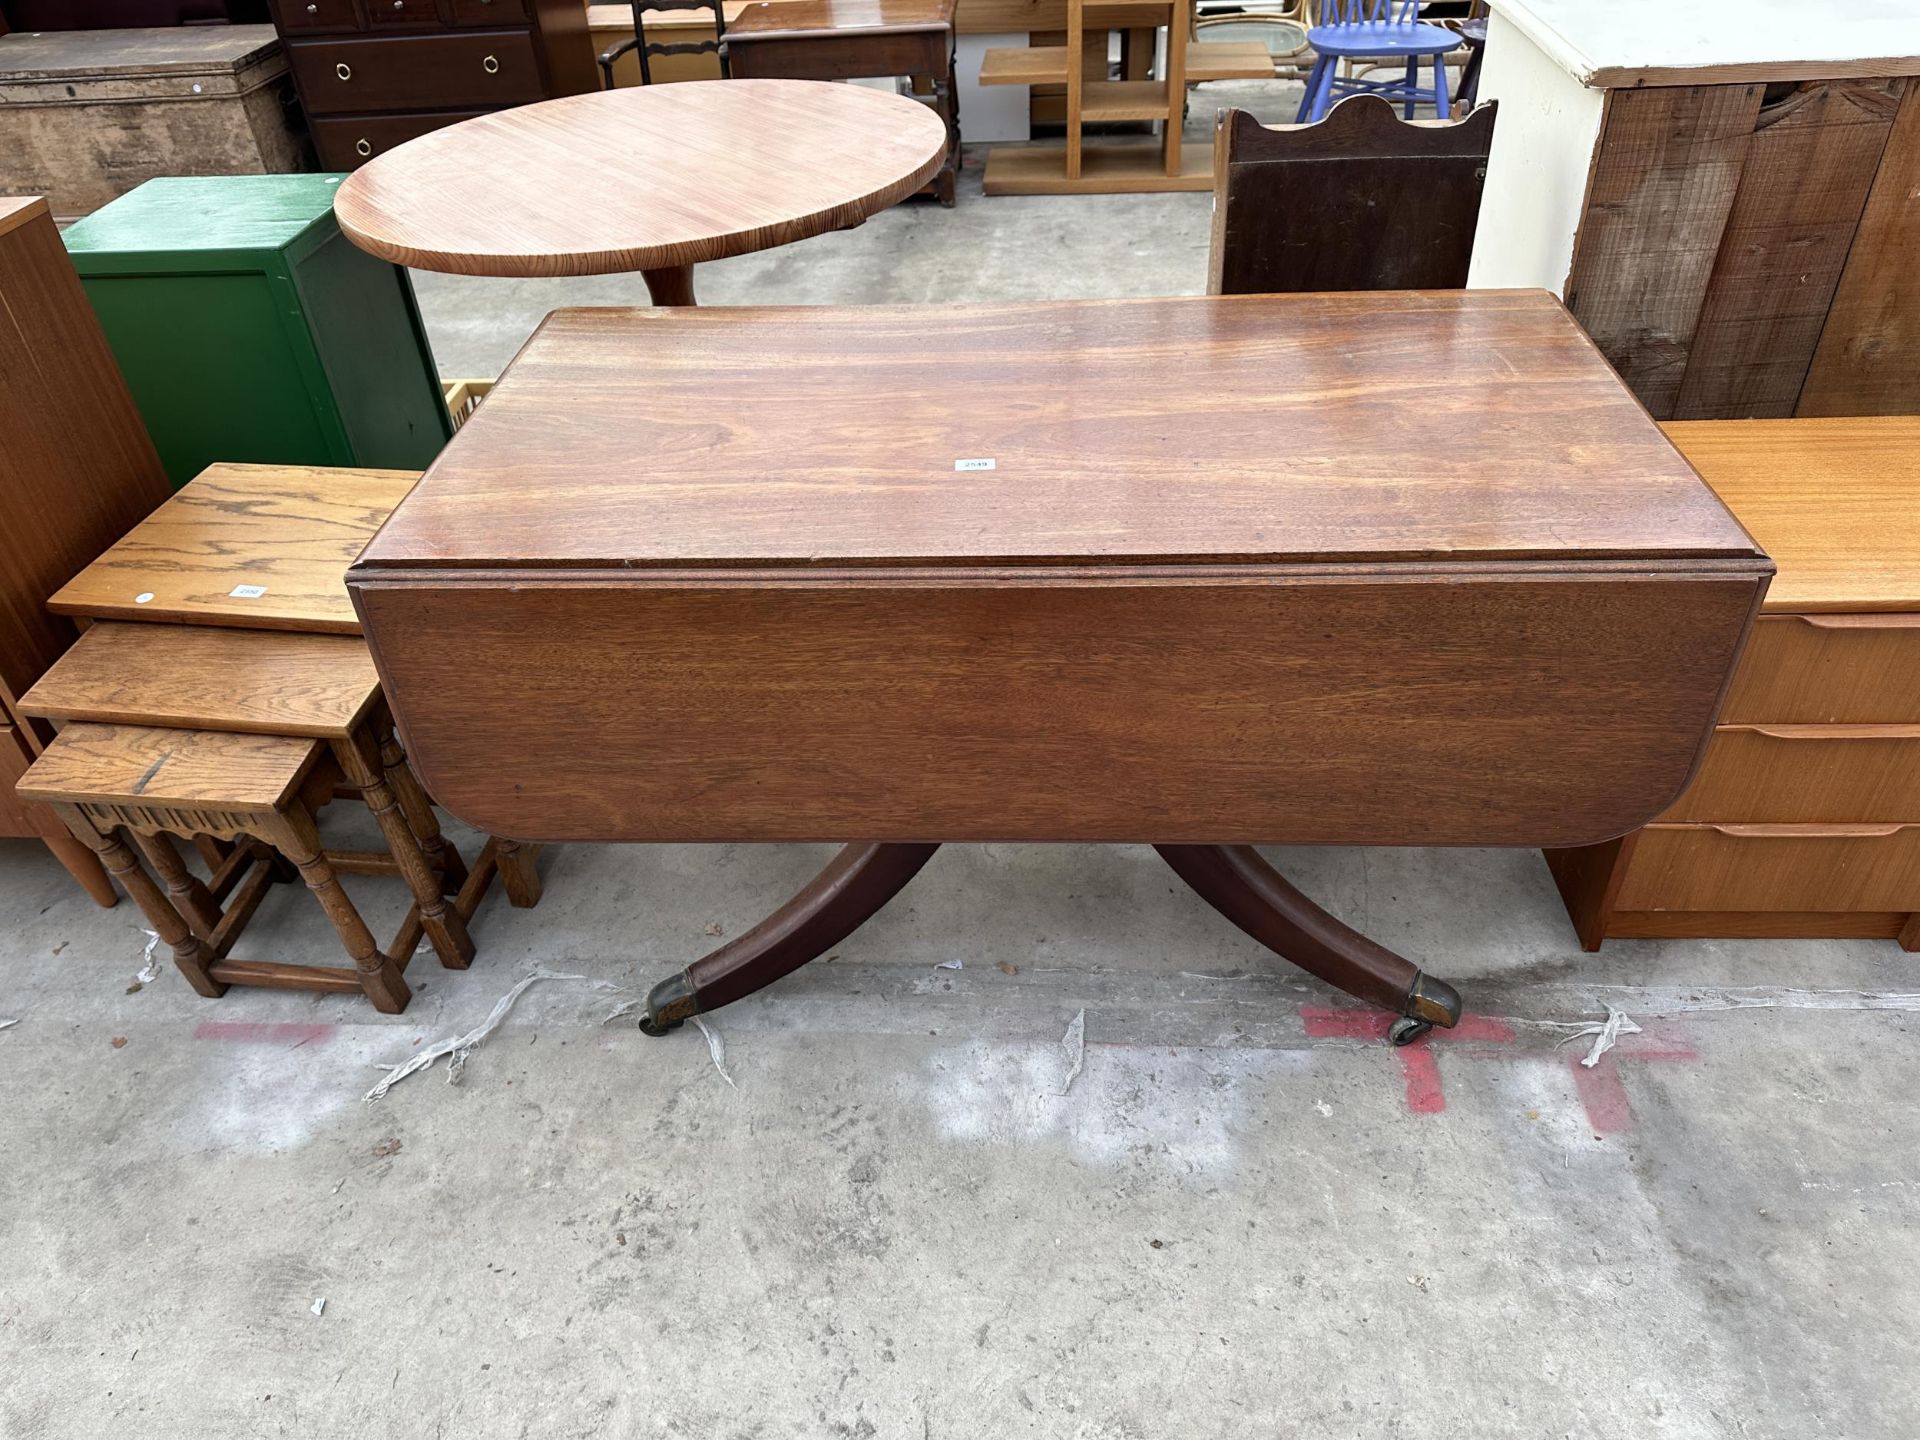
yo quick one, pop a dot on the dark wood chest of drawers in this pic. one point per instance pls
(375, 73)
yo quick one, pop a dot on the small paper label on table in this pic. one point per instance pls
(247, 592)
(973, 464)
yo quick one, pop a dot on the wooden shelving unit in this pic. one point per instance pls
(1079, 168)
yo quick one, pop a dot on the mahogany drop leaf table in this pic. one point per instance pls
(1363, 569)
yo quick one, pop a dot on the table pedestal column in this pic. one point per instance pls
(672, 286)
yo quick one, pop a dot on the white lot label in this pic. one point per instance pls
(973, 464)
(247, 592)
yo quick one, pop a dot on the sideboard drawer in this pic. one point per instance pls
(476, 69)
(1806, 774)
(1773, 867)
(1828, 670)
(316, 15)
(487, 12)
(345, 141)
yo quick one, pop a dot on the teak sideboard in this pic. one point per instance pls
(372, 74)
(1804, 819)
(76, 472)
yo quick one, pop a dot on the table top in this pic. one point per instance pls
(644, 178)
(799, 19)
(287, 532)
(1443, 427)
(1835, 502)
(1623, 43)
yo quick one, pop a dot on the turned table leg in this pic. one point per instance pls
(1256, 897)
(189, 893)
(189, 954)
(672, 286)
(445, 927)
(419, 810)
(857, 883)
(296, 837)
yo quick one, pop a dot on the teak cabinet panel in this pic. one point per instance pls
(77, 471)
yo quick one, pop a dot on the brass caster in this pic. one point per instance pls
(1406, 1030)
(668, 1005)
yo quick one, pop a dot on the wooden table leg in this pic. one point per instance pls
(672, 286)
(860, 880)
(298, 839)
(1256, 897)
(85, 867)
(189, 954)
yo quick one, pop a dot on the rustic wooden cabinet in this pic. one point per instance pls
(77, 471)
(1726, 193)
(1804, 817)
(373, 74)
(87, 115)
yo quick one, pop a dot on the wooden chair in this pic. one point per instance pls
(1377, 34)
(1359, 201)
(645, 48)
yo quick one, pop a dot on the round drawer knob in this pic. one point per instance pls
(313, 9)
(399, 4)
(362, 147)
(343, 70)
(490, 65)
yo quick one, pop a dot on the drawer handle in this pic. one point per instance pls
(343, 70)
(1861, 622)
(490, 65)
(1832, 732)
(313, 9)
(362, 147)
(1810, 832)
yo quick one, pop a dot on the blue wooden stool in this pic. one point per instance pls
(1376, 30)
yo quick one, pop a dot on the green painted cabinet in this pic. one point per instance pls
(250, 329)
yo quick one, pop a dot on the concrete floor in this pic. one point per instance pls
(1244, 1217)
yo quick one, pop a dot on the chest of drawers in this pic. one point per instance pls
(1804, 817)
(373, 74)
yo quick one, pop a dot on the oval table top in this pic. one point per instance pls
(645, 178)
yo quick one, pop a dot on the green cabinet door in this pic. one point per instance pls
(250, 329)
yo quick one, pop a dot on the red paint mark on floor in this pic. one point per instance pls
(1422, 1071)
(1348, 1023)
(1419, 1065)
(260, 1032)
(1602, 1093)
